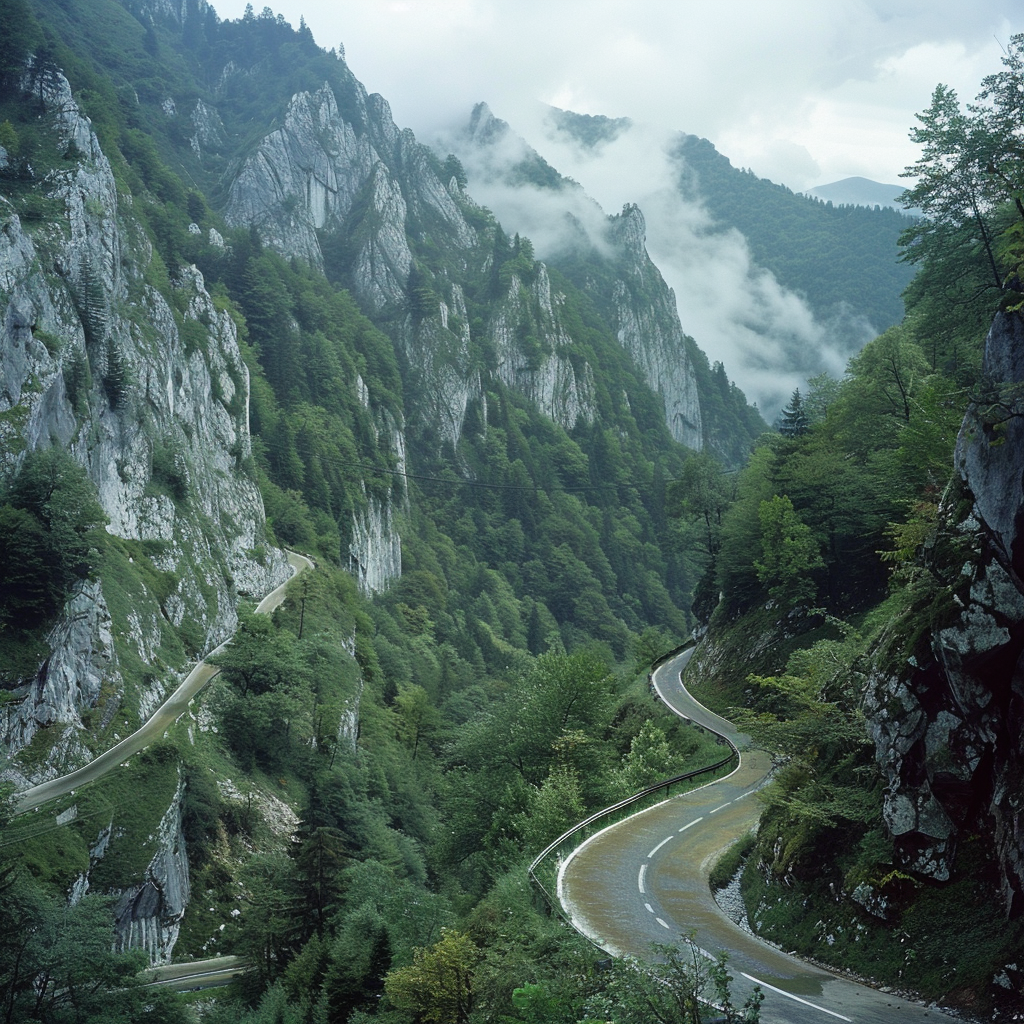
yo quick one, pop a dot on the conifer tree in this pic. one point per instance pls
(793, 421)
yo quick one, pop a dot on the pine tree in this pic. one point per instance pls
(793, 421)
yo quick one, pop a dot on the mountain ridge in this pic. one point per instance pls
(858, 191)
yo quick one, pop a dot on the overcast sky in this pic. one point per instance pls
(802, 92)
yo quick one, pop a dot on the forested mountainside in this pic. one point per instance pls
(598, 254)
(870, 627)
(243, 310)
(842, 264)
(843, 258)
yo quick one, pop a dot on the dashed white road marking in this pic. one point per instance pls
(640, 880)
(692, 823)
(659, 846)
(662, 923)
(789, 995)
(720, 806)
(650, 909)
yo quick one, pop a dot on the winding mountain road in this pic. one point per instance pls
(644, 880)
(158, 723)
(197, 974)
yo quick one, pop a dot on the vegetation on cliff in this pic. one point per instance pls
(841, 655)
(360, 788)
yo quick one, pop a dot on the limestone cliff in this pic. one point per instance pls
(69, 682)
(148, 915)
(321, 171)
(329, 173)
(946, 706)
(649, 328)
(143, 383)
(540, 369)
(617, 270)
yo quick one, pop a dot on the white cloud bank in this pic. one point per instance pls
(802, 92)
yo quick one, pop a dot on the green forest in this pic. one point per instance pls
(838, 257)
(365, 781)
(839, 552)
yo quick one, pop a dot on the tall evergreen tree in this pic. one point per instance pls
(793, 421)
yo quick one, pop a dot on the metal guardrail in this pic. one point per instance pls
(629, 802)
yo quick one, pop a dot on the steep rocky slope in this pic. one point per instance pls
(146, 388)
(946, 702)
(606, 257)
(358, 174)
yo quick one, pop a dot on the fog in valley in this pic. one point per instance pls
(767, 337)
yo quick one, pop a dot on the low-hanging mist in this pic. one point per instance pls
(766, 335)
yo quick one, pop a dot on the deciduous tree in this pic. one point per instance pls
(438, 986)
(790, 555)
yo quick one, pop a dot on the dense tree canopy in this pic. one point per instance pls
(430, 740)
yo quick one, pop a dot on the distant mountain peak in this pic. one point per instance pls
(858, 191)
(589, 130)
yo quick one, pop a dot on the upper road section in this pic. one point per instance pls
(161, 720)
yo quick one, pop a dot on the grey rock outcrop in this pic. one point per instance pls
(948, 723)
(375, 546)
(302, 176)
(375, 551)
(151, 399)
(83, 659)
(544, 375)
(208, 130)
(639, 303)
(311, 174)
(442, 367)
(148, 915)
(650, 331)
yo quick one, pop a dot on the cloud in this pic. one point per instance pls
(766, 336)
(841, 80)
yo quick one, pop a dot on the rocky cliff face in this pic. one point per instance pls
(375, 547)
(947, 713)
(650, 331)
(70, 681)
(641, 307)
(541, 372)
(148, 915)
(146, 388)
(323, 171)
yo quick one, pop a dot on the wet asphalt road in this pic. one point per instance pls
(644, 880)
